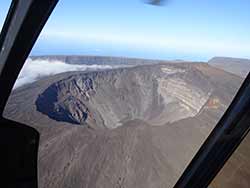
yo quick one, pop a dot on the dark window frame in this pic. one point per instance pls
(18, 142)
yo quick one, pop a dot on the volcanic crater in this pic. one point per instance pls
(157, 94)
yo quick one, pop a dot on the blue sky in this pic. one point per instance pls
(181, 29)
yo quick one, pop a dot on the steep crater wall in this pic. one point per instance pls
(157, 94)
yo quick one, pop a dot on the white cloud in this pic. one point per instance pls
(35, 69)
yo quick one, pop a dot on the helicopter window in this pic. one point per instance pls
(124, 94)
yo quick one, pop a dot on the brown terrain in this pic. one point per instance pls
(126, 127)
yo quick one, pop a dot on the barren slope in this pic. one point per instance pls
(129, 127)
(240, 67)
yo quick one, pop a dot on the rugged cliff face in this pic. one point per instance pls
(156, 94)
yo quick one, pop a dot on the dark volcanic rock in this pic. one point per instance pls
(64, 106)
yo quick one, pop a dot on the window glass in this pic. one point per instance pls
(4, 7)
(125, 93)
